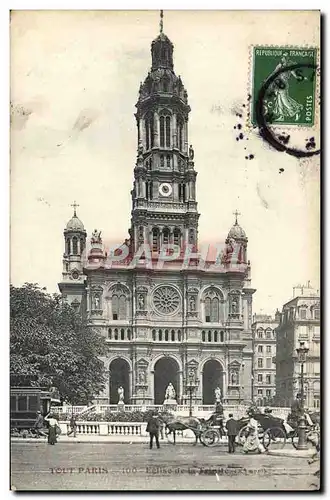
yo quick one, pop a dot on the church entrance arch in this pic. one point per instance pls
(212, 378)
(119, 377)
(166, 371)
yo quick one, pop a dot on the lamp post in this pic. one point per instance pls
(191, 386)
(302, 352)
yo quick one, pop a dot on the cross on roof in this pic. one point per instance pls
(161, 21)
(74, 205)
(236, 213)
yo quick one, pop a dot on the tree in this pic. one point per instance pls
(52, 345)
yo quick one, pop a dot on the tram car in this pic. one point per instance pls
(26, 401)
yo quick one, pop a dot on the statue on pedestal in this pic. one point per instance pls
(217, 393)
(120, 395)
(170, 392)
(96, 236)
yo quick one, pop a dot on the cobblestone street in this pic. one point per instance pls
(77, 466)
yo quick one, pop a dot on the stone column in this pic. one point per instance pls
(131, 388)
(70, 246)
(156, 129)
(142, 132)
(78, 246)
(180, 387)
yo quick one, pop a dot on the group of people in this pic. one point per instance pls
(53, 427)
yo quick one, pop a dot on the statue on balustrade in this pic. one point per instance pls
(120, 394)
(217, 393)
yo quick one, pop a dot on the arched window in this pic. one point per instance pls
(176, 236)
(129, 334)
(82, 245)
(122, 334)
(209, 336)
(215, 336)
(166, 236)
(155, 239)
(161, 161)
(110, 334)
(215, 310)
(221, 336)
(153, 334)
(166, 335)
(207, 310)
(116, 334)
(172, 335)
(179, 335)
(75, 245)
(182, 192)
(168, 161)
(67, 247)
(165, 131)
(191, 236)
(203, 336)
(122, 307)
(180, 133)
(115, 308)
(160, 335)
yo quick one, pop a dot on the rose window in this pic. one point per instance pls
(166, 300)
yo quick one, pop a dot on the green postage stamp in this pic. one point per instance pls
(289, 95)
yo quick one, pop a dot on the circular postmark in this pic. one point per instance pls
(273, 86)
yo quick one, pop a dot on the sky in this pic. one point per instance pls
(75, 77)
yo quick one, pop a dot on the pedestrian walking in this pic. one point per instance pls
(39, 424)
(53, 429)
(73, 426)
(153, 429)
(232, 428)
(252, 442)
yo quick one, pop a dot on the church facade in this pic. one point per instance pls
(169, 315)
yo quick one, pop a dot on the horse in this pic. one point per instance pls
(173, 424)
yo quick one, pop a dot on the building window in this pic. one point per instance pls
(129, 334)
(75, 245)
(268, 393)
(260, 363)
(209, 336)
(176, 236)
(122, 334)
(216, 336)
(317, 314)
(260, 348)
(260, 392)
(303, 313)
(215, 310)
(155, 239)
(168, 132)
(67, 247)
(259, 377)
(180, 133)
(166, 236)
(260, 334)
(172, 335)
(221, 336)
(268, 334)
(160, 335)
(166, 335)
(316, 401)
(165, 131)
(153, 334)
(110, 334)
(268, 362)
(203, 336)
(168, 161)
(179, 335)
(119, 307)
(269, 348)
(149, 127)
(207, 310)
(268, 379)
(115, 307)
(116, 334)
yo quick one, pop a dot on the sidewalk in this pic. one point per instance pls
(104, 439)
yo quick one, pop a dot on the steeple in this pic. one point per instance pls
(75, 243)
(164, 208)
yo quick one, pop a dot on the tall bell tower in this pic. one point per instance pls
(164, 208)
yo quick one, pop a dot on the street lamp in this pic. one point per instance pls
(191, 386)
(302, 352)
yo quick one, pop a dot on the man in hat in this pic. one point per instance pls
(73, 426)
(153, 429)
(232, 431)
(38, 424)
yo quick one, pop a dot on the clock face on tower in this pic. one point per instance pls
(165, 189)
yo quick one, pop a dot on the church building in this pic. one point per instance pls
(165, 320)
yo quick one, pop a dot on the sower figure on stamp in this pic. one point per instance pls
(232, 427)
(153, 429)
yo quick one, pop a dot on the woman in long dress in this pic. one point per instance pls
(252, 442)
(53, 424)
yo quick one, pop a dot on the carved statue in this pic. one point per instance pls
(142, 378)
(96, 302)
(234, 306)
(234, 378)
(217, 393)
(120, 394)
(192, 303)
(191, 152)
(170, 392)
(141, 302)
(96, 236)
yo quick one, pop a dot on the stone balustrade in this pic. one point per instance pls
(107, 428)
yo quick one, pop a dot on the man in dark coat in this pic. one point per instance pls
(153, 429)
(73, 426)
(39, 424)
(231, 426)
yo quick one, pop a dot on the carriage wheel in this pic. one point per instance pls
(309, 444)
(274, 438)
(210, 437)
